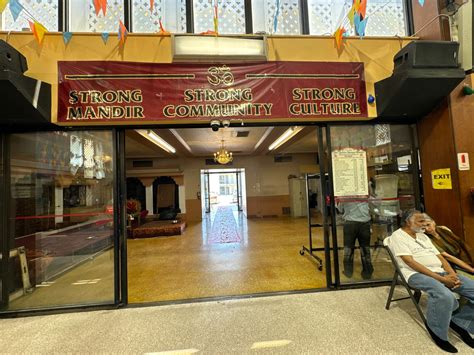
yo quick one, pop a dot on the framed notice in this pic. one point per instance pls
(349, 168)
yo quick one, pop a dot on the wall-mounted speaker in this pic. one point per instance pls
(425, 72)
(11, 59)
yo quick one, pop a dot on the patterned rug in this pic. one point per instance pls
(224, 227)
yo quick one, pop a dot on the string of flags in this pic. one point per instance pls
(356, 17)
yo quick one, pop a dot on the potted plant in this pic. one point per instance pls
(133, 212)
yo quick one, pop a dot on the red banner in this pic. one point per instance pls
(108, 92)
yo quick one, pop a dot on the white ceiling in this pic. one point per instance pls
(203, 142)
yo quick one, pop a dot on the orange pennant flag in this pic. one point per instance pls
(356, 4)
(152, 4)
(122, 32)
(38, 31)
(362, 8)
(162, 29)
(97, 6)
(103, 5)
(338, 37)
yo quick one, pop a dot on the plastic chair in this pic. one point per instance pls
(398, 278)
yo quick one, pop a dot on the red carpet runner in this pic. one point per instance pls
(224, 228)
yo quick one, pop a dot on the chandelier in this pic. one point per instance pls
(222, 156)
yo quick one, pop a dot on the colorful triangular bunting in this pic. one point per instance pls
(105, 37)
(422, 2)
(67, 37)
(122, 32)
(15, 8)
(338, 37)
(152, 5)
(38, 31)
(360, 25)
(3, 4)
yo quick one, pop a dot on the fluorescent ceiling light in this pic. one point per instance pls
(264, 136)
(285, 137)
(206, 48)
(156, 139)
(181, 140)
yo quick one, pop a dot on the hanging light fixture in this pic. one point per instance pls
(222, 156)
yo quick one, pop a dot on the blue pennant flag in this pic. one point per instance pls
(360, 25)
(15, 8)
(275, 19)
(67, 37)
(422, 2)
(105, 37)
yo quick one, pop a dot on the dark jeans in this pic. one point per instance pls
(357, 231)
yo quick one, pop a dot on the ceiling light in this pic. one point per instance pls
(222, 156)
(285, 137)
(181, 140)
(156, 139)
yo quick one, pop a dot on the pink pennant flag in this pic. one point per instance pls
(162, 29)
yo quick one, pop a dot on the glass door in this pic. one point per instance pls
(3, 227)
(207, 193)
(60, 250)
(374, 173)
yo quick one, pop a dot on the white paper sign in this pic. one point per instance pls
(463, 161)
(349, 168)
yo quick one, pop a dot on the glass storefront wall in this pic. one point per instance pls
(374, 177)
(62, 227)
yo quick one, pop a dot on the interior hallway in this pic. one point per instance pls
(264, 258)
(342, 322)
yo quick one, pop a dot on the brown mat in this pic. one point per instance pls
(158, 228)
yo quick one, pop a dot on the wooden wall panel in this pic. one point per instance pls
(462, 108)
(435, 134)
(193, 210)
(438, 29)
(267, 205)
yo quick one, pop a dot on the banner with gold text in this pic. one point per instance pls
(124, 92)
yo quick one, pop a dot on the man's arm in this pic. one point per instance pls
(446, 266)
(449, 280)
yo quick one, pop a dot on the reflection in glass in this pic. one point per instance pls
(231, 18)
(171, 12)
(384, 17)
(268, 18)
(44, 11)
(61, 188)
(82, 16)
(388, 154)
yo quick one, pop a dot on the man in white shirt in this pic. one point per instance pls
(425, 269)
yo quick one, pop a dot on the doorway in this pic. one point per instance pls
(235, 231)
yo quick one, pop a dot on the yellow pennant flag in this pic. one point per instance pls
(3, 4)
(38, 31)
(351, 15)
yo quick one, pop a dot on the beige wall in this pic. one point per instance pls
(266, 182)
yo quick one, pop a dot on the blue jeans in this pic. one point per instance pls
(443, 306)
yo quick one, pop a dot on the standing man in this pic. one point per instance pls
(426, 269)
(356, 227)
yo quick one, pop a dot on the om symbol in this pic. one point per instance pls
(220, 75)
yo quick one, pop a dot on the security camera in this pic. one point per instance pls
(225, 123)
(215, 124)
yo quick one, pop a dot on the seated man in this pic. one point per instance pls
(449, 244)
(426, 269)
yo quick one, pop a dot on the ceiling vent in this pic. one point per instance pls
(282, 158)
(142, 163)
(242, 134)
